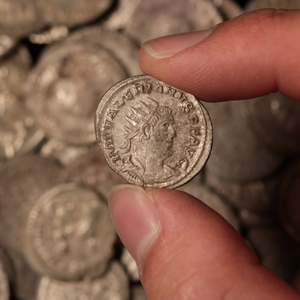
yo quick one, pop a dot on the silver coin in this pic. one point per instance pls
(276, 250)
(91, 170)
(164, 17)
(275, 121)
(123, 49)
(237, 153)
(69, 234)
(152, 134)
(23, 181)
(138, 292)
(130, 265)
(18, 131)
(212, 200)
(113, 285)
(18, 18)
(72, 12)
(65, 88)
(285, 4)
(14, 70)
(258, 195)
(7, 43)
(65, 153)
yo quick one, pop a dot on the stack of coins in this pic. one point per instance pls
(57, 59)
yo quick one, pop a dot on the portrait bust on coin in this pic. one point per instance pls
(152, 134)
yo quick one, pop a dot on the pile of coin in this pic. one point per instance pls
(57, 240)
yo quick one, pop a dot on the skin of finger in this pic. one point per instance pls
(198, 255)
(252, 55)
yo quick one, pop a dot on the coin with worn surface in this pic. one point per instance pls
(285, 4)
(212, 200)
(72, 12)
(91, 170)
(69, 234)
(113, 285)
(118, 44)
(18, 18)
(257, 195)
(18, 131)
(289, 199)
(275, 121)
(23, 180)
(164, 17)
(65, 87)
(237, 153)
(152, 134)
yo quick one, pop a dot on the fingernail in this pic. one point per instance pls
(135, 217)
(167, 46)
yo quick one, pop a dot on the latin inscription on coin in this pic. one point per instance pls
(153, 134)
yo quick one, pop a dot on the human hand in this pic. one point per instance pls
(185, 250)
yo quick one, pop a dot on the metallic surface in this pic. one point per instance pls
(152, 134)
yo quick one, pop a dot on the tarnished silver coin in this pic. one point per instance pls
(285, 4)
(18, 131)
(71, 12)
(275, 121)
(118, 44)
(69, 234)
(18, 18)
(113, 285)
(23, 180)
(257, 195)
(237, 153)
(91, 170)
(66, 154)
(152, 134)
(65, 87)
(212, 200)
(165, 17)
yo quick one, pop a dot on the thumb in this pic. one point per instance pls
(185, 250)
(252, 55)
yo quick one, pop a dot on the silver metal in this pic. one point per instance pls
(152, 134)
(69, 234)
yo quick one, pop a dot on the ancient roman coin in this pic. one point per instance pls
(65, 87)
(257, 195)
(118, 44)
(113, 285)
(91, 170)
(237, 153)
(71, 12)
(164, 17)
(289, 199)
(69, 234)
(152, 134)
(212, 200)
(18, 18)
(23, 180)
(285, 4)
(18, 131)
(275, 121)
